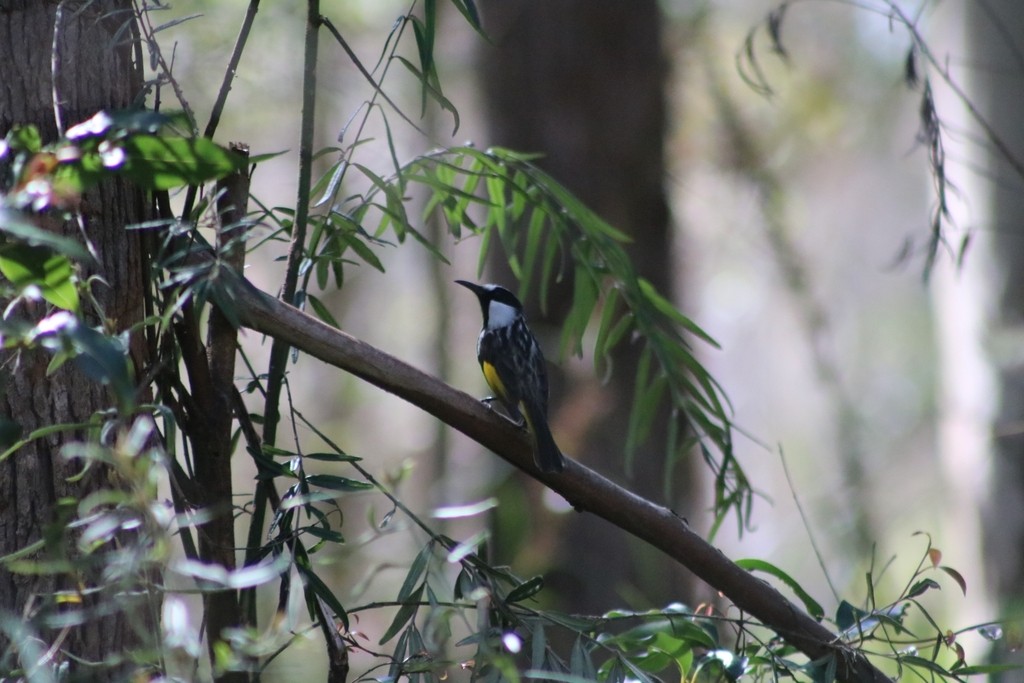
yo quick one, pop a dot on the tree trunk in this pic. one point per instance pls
(96, 69)
(996, 29)
(583, 83)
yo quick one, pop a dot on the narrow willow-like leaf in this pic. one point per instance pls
(416, 571)
(319, 588)
(526, 590)
(406, 612)
(810, 604)
(534, 241)
(362, 249)
(336, 483)
(605, 326)
(539, 646)
(643, 371)
(584, 301)
(327, 185)
(322, 312)
(430, 89)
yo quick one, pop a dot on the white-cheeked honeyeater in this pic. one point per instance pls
(513, 366)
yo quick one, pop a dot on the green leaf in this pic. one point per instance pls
(363, 250)
(921, 662)
(336, 483)
(847, 615)
(584, 300)
(324, 534)
(665, 307)
(468, 10)
(164, 162)
(416, 570)
(812, 606)
(52, 273)
(428, 82)
(987, 669)
(922, 586)
(526, 590)
(105, 360)
(322, 312)
(538, 654)
(602, 347)
(25, 139)
(693, 633)
(319, 588)
(328, 457)
(406, 612)
(20, 226)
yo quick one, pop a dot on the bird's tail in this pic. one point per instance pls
(545, 450)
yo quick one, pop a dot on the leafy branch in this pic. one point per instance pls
(502, 197)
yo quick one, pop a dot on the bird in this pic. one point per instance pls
(513, 366)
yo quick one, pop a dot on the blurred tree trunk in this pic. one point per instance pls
(96, 69)
(996, 35)
(583, 83)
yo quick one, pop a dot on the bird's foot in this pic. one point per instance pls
(519, 421)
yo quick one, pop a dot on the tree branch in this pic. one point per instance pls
(585, 489)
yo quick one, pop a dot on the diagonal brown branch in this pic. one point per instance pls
(585, 489)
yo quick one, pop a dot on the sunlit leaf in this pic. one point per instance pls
(24, 265)
(812, 606)
(463, 511)
(164, 162)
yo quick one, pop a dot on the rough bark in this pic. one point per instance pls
(583, 83)
(95, 70)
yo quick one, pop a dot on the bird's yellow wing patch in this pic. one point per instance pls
(493, 380)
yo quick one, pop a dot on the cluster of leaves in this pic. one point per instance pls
(113, 543)
(900, 634)
(923, 71)
(547, 236)
(42, 186)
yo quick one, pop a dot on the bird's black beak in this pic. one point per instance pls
(473, 287)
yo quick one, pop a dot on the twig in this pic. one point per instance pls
(279, 350)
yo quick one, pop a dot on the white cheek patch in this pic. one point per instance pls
(500, 315)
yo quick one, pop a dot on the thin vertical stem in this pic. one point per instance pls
(279, 350)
